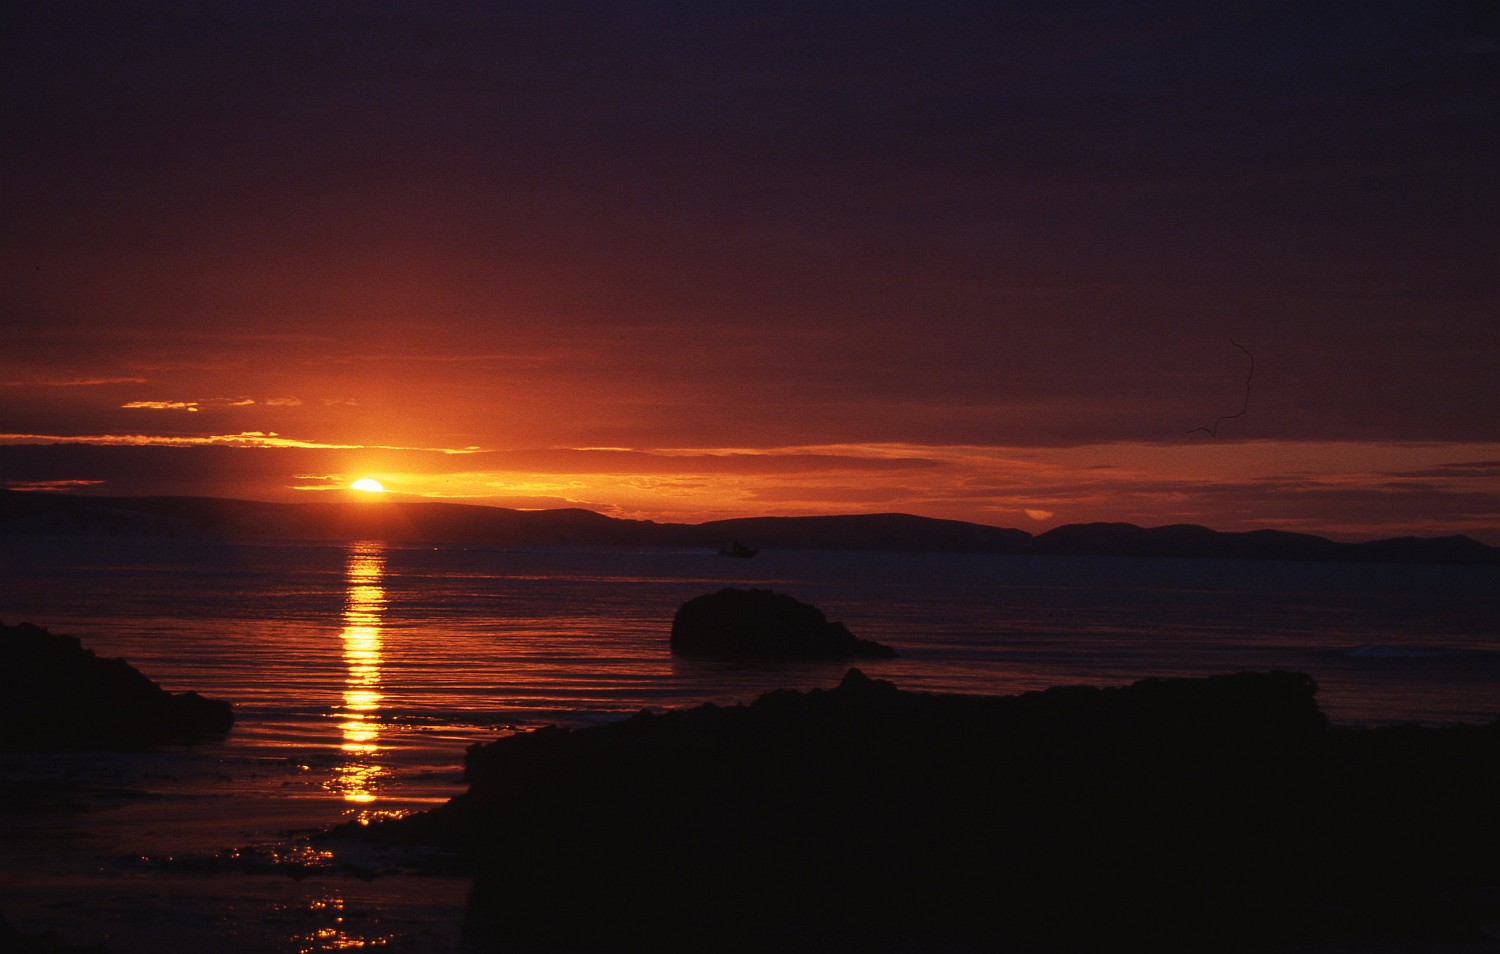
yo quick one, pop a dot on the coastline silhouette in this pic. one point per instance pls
(46, 514)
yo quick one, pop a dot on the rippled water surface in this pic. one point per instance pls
(359, 674)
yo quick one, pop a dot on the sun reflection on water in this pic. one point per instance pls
(364, 606)
(335, 936)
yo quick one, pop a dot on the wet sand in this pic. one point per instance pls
(104, 848)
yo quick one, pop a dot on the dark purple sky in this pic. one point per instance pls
(677, 260)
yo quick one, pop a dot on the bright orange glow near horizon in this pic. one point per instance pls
(368, 485)
(670, 289)
(1344, 489)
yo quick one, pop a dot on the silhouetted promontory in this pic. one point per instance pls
(398, 521)
(54, 694)
(761, 625)
(1184, 814)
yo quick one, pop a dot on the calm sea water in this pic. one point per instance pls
(359, 674)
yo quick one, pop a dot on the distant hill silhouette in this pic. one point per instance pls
(880, 531)
(24, 513)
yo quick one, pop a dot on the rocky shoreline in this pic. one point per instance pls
(1180, 813)
(54, 694)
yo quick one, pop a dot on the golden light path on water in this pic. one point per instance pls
(358, 774)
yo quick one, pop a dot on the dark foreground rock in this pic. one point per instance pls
(763, 626)
(14, 941)
(54, 694)
(1202, 814)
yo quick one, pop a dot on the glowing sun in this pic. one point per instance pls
(369, 485)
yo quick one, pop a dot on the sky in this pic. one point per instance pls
(1024, 264)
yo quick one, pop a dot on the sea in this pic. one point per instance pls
(359, 674)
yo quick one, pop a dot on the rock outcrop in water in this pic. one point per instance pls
(1184, 814)
(54, 694)
(763, 626)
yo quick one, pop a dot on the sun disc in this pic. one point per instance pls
(369, 485)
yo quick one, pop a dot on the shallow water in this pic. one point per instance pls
(359, 674)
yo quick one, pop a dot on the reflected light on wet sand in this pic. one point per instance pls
(364, 606)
